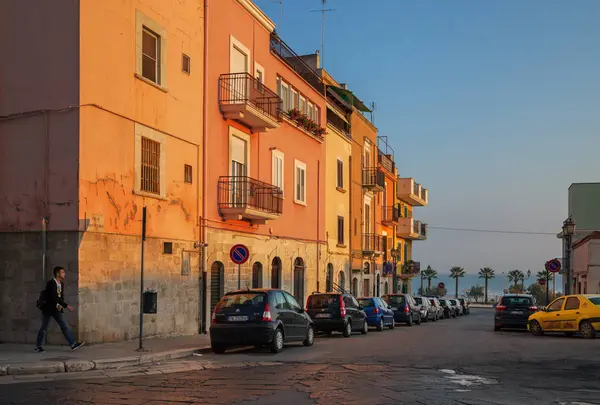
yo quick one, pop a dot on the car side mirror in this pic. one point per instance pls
(360, 307)
(301, 310)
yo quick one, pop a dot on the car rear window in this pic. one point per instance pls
(243, 300)
(595, 300)
(516, 301)
(419, 300)
(366, 302)
(432, 302)
(322, 301)
(395, 300)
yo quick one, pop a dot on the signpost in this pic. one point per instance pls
(441, 285)
(239, 254)
(552, 266)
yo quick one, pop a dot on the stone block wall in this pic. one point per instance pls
(21, 280)
(109, 287)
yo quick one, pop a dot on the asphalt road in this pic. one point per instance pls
(455, 361)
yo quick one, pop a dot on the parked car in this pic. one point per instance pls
(405, 308)
(465, 306)
(570, 314)
(378, 312)
(437, 307)
(337, 312)
(513, 311)
(458, 309)
(449, 310)
(425, 308)
(259, 317)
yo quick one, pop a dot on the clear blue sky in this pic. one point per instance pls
(494, 106)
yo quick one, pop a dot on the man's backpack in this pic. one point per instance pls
(42, 300)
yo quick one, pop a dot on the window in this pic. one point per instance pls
(187, 174)
(556, 305)
(151, 49)
(348, 303)
(572, 303)
(285, 96)
(317, 117)
(294, 99)
(277, 177)
(280, 302)
(150, 55)
(340, 230)
(300, 182)
(150, 166)
(302, 104)
(168, 248)
(340, 174)
(185, 63)
(310, 110)
(292, 302)
(259, 74)
(355, 226)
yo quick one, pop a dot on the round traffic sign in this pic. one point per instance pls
(239, 254)
(553, 265)
(542, 282)
(441, 285)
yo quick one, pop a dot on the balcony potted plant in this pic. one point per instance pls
(294, 114)
(320, 132)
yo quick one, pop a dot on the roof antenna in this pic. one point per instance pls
(373, 112)
(280, 25)
(323, 10)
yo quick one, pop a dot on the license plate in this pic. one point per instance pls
(239, 318)
(394, 308)
(323, 315)
(516, 312)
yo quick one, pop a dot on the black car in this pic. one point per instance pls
(449, 309)
(336, 312)
(405, 308)
(258, 317)
(465, 306)
(513, 311)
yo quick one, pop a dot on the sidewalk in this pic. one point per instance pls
(20, 359)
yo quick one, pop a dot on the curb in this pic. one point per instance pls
(68, 366)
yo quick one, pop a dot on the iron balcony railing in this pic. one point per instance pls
(372, 242)
(246, 192)
(386, 162)
(239, 88)
(294, 61)
(423, 229)
(390, 213)
(373, 177)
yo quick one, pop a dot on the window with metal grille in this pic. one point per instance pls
(187, 174)
(185, 63)
(151, 55)
(150, 166)
(340, 174)
(168, 248)
(340, 230)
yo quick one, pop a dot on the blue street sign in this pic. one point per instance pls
(239, 254)
(553, 266)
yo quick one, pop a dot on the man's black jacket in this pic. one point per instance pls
(52, 298)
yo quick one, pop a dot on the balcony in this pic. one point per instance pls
(372, 244)
(248, 199)
(373, 179)
(412, 192)
(385, 154)
(296, 63)
(390, 215)
(245, 99)
(387, 162)
(409, 228)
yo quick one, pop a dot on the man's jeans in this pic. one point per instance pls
(58, 317)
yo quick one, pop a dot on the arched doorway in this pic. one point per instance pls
(386, 288)
(257, 278)
(329, 280)
(276, 273)
(342, 280)
(355, 287)
(299, 280)
(217, 283)
(377, 285)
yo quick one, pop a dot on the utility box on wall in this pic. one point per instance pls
(150, 304)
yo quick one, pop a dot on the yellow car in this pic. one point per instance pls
(568, 314)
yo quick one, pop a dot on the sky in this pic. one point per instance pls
(494, 106)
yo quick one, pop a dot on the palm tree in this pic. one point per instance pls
(429, 274)
(455, 273)
(486, 273)
(543, 275)
(516, 276)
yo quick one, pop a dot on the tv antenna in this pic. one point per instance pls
(323, 10)
(373, 112)
(280, 24)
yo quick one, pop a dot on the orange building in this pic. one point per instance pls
(265, 157)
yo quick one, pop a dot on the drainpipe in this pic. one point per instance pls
(203, 300)
(318, 208)
(350, 228)
(44, 249)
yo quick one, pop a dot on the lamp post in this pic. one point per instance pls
(395, 252)
(422, 277)
(568, 231)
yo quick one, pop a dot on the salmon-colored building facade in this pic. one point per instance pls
(265, 156)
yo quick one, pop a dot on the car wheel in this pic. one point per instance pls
(277, 343)
(380, 326)
(218, 349)
(536, 328)
(329, 333)
(497, 328)
(393, 324)
(310, 337)
(365, 328)
(348, 329)
(410, 321)
(418, 320)
(587, 330)
(426, 319)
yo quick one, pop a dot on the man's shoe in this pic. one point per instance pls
(77, 346)
(39, 349)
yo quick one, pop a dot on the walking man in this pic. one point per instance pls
(53, 307)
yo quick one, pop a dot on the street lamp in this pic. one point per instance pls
(395, 252)
(568, 232)
(422, 277)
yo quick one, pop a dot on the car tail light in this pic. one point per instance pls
(533, 308)
(214, 315)
(406, 309)
(267, 314)
(376, 311)
(342, 307)
(500, 307)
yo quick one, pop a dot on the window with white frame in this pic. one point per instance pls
(300, 182)
(277, 164)
(310, 110)
(302, 104)
(150, 50)
(294, 100)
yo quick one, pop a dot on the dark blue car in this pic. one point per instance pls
(378, 312)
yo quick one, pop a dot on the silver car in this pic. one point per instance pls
(436, 307)
(425, 309)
